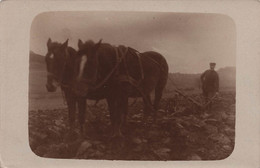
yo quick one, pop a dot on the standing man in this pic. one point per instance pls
(210, 83)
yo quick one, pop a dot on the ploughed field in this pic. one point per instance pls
(182, 133)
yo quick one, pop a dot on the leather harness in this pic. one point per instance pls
(121, 58)
(127, 77)
(121, 53)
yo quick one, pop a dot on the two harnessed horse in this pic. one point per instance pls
(60, 63)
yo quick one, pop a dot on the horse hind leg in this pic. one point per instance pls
(158, 95)
(161, 83)
(157, 99)
(148, 108)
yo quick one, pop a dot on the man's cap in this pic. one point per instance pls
(212, 63)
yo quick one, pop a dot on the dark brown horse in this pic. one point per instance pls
(124, 73)
(60, 61)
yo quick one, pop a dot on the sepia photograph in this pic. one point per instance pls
(145, 86)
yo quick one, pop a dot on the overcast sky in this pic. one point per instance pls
(188, 41)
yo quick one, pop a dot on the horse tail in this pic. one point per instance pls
(164, 70)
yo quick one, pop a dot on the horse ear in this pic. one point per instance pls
(98, 44)
(65, 44)
(80, 44)
(49, 42)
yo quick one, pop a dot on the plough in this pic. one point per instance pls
(203, 106)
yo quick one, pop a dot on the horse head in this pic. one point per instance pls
(87, 65)
(56, 59)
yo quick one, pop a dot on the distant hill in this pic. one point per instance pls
(227, 76)
(39, 97)
(37, 74)
(37, 62)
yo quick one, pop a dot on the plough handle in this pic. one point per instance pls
(189, 98)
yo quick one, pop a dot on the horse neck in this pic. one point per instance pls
(107, 60)
(71, 57)
(69, 68)
(106, 57)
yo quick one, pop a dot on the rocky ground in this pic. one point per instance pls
(182, 133)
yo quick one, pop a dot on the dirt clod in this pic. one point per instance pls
(183, 133)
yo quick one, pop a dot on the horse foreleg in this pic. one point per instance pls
(124, 107)
(120, 110)
(111, 108)
(119, 115)
(72, 111)
(81, 116)
(71, 102)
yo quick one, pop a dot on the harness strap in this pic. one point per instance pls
(119, 59)
(129, 79)
(133, 82)
(155, 62)
(124, 59)
(137, 53)
(121, 56)
(141, 65)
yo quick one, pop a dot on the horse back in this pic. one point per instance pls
(156, 60)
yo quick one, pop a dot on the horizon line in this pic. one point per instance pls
(190, 73)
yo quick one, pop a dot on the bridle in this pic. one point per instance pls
(59, 80)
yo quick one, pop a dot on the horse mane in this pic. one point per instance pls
(89, 44)
(72, 51)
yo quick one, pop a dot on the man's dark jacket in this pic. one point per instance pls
(210, 81)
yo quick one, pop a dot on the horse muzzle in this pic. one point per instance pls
(52, 83)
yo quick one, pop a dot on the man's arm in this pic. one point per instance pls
(202, 76)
